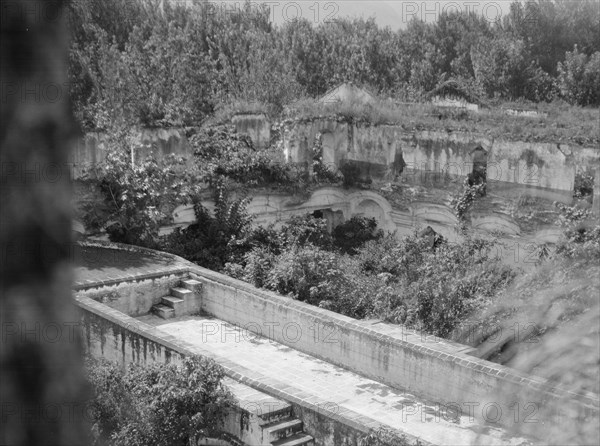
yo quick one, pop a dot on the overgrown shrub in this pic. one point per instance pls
(138, 196)
(306, 273)
(433, 289)
(386, 437)
(214, 238)
(579, 77)
(354, 233)
(222, 152)
(581, 240)
(584, 184)
(158, 404)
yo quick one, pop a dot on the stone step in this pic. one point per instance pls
(171, 301)
(162, 311)
(283, 428)
(191, 284)
(295, 440)
(275, 415)
(182, 293)
(177, 304)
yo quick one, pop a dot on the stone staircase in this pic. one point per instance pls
(178, 303)
(281, 428)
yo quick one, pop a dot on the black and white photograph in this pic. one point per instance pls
(300, 223)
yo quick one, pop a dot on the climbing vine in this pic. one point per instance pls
(465, 201)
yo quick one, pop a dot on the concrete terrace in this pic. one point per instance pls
(341, 391)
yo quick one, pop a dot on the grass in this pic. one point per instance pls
(224, 112)
(558, 122)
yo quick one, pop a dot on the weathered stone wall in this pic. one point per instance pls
(256, 126)
(434, 157)
(91, 149)
(439, 153)
(133, 298)
(596, 198)
(489, 214)
(300, 139)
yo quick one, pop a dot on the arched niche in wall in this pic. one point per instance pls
(370, 209)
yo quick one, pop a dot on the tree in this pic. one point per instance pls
(138, 196)
(550, 28)
(579, 78)
(158, 404)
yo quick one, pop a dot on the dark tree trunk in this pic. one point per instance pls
(42, 387)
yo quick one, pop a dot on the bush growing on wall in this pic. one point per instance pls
(584, 184)
(222, 152)
(465, 200)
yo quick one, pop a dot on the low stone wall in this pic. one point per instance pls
(426, 366)
(136, 297)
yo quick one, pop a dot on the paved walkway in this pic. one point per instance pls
(338, 386)
(101, 262)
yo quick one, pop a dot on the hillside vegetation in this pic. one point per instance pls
(169, 63)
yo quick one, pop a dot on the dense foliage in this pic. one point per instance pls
(221, 152)
(165, 63)
(138, 195)
(212, 240)
(386, 437)
(158, 404)
(434, 288)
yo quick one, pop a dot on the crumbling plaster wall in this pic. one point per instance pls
(92, 148)
(538, 169)
(256, 126)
